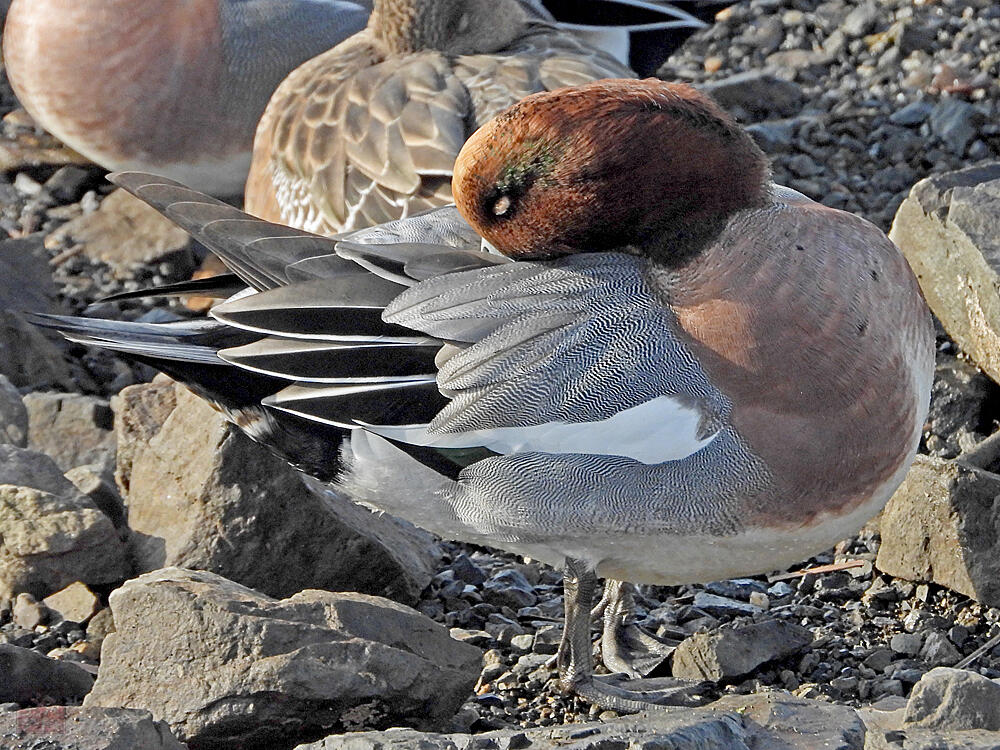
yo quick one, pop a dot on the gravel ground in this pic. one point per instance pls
(858, 103)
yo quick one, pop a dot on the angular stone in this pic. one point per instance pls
(946, 228)
(941, 525)
(27, 677)
(50, 534)
(762, 95)
(954, 699)
(228, 667)
(77, 728)
(13, 415)
(939, 651)
(958, 397)
(205, 496)
(72, 429)
(76, 602)
(955, 122)
(27, 357)
(736, 649)
(125, 231)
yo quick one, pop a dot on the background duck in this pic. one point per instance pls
(368, 132)
(177, 88)
(687, 374)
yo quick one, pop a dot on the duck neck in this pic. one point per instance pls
(404, 26)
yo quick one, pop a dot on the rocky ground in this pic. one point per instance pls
(855, 102)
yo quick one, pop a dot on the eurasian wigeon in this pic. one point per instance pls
(173, 87)
(178, 88)
(368, 132)
(673, 372)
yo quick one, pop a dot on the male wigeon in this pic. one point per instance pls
(174, 87)
(672, 372)
(178, 88)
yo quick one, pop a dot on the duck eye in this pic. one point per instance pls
(502, 205)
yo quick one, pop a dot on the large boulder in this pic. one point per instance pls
(954, 699)
(50, 534)
(946, 228)
(227, 667)
(942, 525)
(203, 495)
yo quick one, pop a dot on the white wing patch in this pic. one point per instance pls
(661, 429)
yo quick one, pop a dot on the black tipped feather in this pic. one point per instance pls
(334, 362)
(411, 402)
(223, 286)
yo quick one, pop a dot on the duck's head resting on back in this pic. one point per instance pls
(454, 27)
(650, 166)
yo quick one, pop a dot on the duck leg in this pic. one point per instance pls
(576, 663)
(625, 647)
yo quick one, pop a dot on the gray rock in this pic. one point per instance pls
(737, 648)
(72, 429)
(27, 357)
(205, 496)
(76, 602)
(946, 228)
(27, 677)
(27, 280)
(906, 643)
(914, 113)
(13, 415)
(738, 722)
(228, 667)
(949, 698)
(762, 95)
(773, 135)
(955, 122)
(910, 37)
(76, 728)
(861, 20)
(50, 534)
(941, 526)
(781, 720)
(958, 398)
(672, 729)
(125, 231)
(938, 650)
(722, 605)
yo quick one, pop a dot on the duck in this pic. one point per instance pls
(178, 88)
(174, 87)
(368, 132)
(623, 352)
